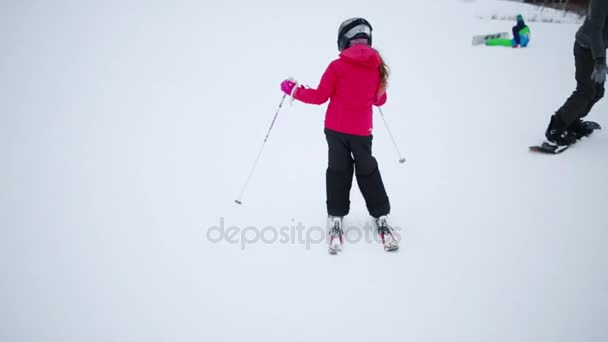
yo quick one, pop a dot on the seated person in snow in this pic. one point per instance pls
(521, 36)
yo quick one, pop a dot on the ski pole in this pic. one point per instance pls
(401, 159)
(255, 163)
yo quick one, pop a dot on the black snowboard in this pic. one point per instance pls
(550, 148)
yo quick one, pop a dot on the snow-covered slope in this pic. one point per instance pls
(127, 129)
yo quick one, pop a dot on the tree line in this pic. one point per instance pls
(578, 6)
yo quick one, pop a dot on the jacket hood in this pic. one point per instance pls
(361, 54)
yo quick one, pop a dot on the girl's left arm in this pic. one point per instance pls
(380, 99)
(322, 93)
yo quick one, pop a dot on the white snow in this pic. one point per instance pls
(127, 129)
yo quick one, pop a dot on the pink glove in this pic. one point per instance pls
(288, 86)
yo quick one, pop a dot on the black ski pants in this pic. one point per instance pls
(587, 92)
(348, 154)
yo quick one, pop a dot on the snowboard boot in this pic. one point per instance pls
(582, 128)
(387, 234)
(336, 234)
(557, 133)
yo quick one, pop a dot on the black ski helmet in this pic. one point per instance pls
(354, 28)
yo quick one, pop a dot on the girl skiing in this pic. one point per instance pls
(352, 83)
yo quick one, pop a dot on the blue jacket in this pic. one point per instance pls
(519, 39)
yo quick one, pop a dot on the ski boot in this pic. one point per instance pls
(336, 234)
(387, 234)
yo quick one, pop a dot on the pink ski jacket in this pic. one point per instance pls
(351, 83)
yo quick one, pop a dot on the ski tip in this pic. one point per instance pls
(238, 202)
(391, 247)
(402, 160)
(334, 250)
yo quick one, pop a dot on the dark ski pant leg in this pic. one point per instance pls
(368, 177)
(339, 174)
(587, 92)
(516, 36)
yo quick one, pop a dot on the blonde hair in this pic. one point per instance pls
(384, 73)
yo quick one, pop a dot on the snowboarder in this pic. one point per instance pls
(521, 36)
(566, 125)
(352, 83)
